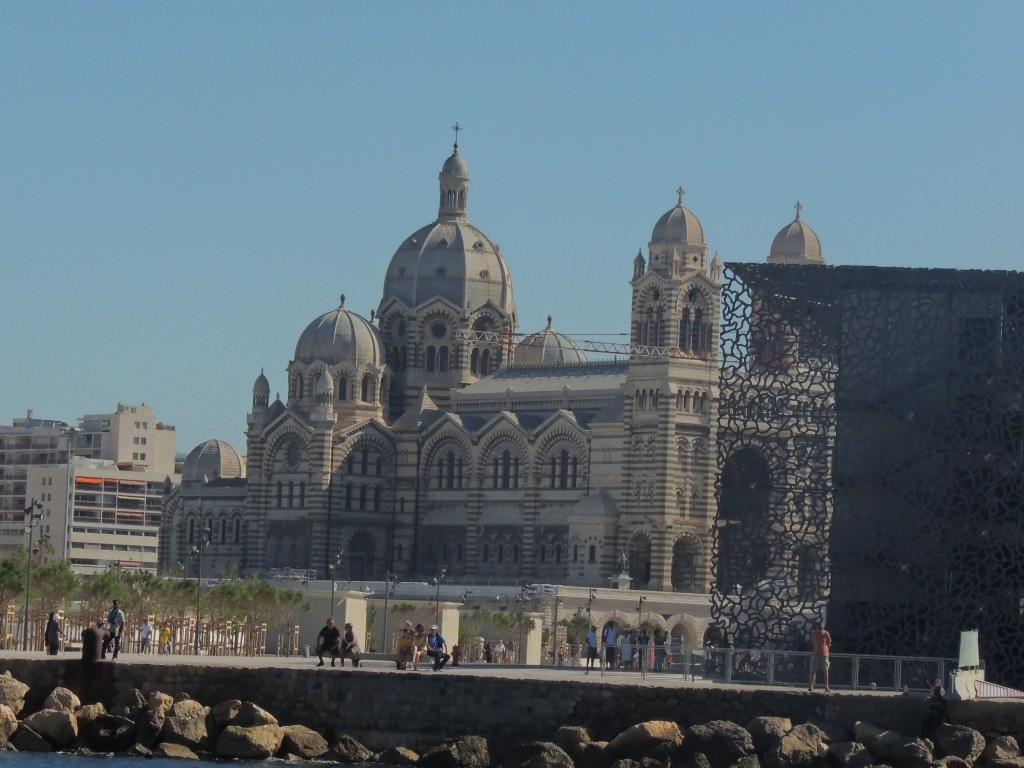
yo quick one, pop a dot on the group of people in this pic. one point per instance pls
(339, 645)
(627, 649)
(501, 652)
(416, 644)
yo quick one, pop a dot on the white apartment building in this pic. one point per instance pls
(100, 486)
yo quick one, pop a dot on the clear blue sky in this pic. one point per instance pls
(184, 186)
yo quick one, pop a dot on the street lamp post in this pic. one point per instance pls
(33, 515)
(643, 659)
(333, 568)
(522, 599)
(590, 604)
(441, 573)
(205, 539)
(554, 633)
(390, 585)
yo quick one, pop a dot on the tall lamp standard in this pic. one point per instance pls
(205, 539)
(441, 573)
(333, 568)
(33, 515)
(554, 634)
(522, 599)
(390, 586)
(590, 604)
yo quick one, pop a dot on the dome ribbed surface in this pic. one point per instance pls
(340, 336)
(678, 225)
(211, 460)
(796, 243)
(548, 347)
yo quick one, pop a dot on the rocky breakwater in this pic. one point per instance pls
(158, 723)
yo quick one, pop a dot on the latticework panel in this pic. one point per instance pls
(912, 384)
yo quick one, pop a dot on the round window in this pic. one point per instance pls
(439, 330)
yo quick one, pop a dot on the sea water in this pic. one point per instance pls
(58, 760)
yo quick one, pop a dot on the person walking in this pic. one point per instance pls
(115, 626)
(591, 649)
(610, 638)
(821, 645)
(437, 648)
(165, 640)
(328, 641)
(53, 635)
(146, 637)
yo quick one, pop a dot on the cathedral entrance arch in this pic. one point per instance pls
(742, 521)
(639, 554)
(686, 554)
(361, 557)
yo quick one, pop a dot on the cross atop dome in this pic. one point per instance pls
(457, 128)
(799, 207)
(680, 191)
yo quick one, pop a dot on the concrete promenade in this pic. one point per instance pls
(378, 663)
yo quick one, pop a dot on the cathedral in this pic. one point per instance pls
(434, 437)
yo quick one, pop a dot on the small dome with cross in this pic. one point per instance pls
(796, 243)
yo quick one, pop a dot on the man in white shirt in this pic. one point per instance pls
(146, 637)
(591, 649)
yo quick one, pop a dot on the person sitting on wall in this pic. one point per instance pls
(328, 641)
(437, 648)
(349, 647)
(405, 648)
(420, 642)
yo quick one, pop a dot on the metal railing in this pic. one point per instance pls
(783, 668)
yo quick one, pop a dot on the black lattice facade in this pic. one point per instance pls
(871, 457)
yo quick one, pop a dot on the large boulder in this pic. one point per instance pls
(440, 756)
(160, 702)
(188, 731)
(768, 731)
(62, 698)
(250, 715)
(722, 742)
(913, 753)
(538, 754)
(593, 754)
(129, 703)
(958, 741)
(174, 750)
(149, 723)
(302, 742)
(250, 743)
(1001, 748)
(398, 756)
(12, 692)
(348, 750)
(643, 737)
(187, 708)
(568, 737)
(220, 717)
(473, 752)
(112, 733)
(848, 754)
(8, 722)
(799, 748)
(27, 740)
(57, 726)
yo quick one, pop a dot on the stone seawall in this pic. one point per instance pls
(388, 709)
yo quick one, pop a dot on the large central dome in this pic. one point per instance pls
(450, 258)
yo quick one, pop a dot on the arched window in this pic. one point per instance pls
(191, 531)
(367, 394)
(238, 531)
(506, 470)
(431, 358)
(543, 554)
(485, 362)
(563, 470)
(558, 553)
(592, 554)
(515, 553)
(474, 361)
(223, 530)
(501, 553)
(442, 359)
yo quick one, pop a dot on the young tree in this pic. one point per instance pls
(54, 586)
(12, 587)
